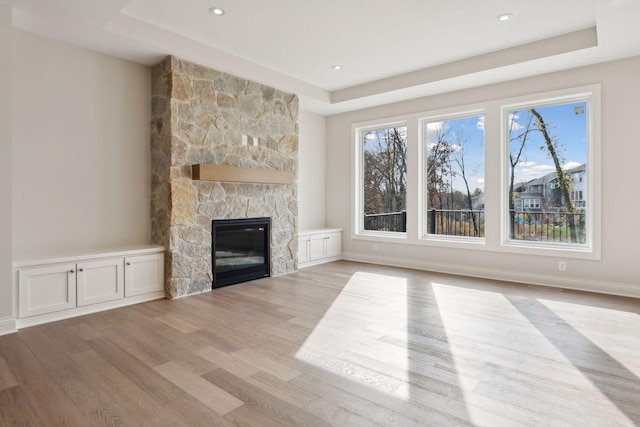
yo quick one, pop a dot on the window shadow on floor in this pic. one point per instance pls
(612, 379)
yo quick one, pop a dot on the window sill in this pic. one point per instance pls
(556, 251)
(480, 244)
(380, 236)
(453, 242)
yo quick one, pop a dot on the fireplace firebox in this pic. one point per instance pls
(241, 250)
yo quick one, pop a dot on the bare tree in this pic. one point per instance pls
(465, 173)
(564, 181)
(514, 159)
(439, 171)
(514, 156)
(536, 123)
(385, 171)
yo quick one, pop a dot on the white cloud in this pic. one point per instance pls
(435, 126)
(570, 165)
(370, 136)
(526, 171)
(480, 123)
(434, 129)
(540, 168)
(526, 164)
(453, 147)
(513, 122)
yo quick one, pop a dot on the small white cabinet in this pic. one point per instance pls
(319, 246)
(143, 274)
(46, 289)
(99, 281)
(56, 288)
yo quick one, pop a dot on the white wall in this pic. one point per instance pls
(6, 287)
(311, 167)
(81, 171)
(616, 272)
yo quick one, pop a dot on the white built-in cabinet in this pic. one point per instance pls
(46, 289)
(143, 274)
(319, 246)
(99, 281)
(56, 288)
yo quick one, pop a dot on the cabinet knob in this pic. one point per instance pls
(128, 263)
(72, 271)
(81, 269)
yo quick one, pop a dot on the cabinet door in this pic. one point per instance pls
(333, 245)
(316, 247)
(303, 249)
(143, 274)
(46, 289)
(100, 281)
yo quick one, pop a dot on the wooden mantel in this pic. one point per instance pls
(221, 173)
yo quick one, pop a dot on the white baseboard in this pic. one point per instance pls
(610, 288)
(7, 326)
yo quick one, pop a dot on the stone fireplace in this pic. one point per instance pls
(203, 116)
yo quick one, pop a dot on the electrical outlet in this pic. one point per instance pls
(562, 266)
(375, 247)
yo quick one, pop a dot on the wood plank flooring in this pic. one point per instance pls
(342, 344)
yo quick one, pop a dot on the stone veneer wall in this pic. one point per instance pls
(199, 115)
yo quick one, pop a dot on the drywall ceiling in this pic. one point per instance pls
(389, 50)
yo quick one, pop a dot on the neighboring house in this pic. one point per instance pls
(543, 194)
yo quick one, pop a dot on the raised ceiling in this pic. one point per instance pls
(389, 50)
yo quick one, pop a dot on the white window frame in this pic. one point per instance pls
(527, 203)
(423, 150)
(496, 173)
(357, 179)
(591, 249)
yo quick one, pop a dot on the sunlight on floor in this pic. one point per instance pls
(620, 333)
(480, 355)
(340, 349)
(471, 338)
(589, 335)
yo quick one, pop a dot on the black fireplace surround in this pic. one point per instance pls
(240, 250)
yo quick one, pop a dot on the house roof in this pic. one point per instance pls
(546, 179)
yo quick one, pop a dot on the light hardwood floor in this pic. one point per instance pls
(342, 344)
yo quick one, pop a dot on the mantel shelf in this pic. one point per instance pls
(221, 173)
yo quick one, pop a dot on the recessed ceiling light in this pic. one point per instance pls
(337, 67)
(504, 17)
(216, 11)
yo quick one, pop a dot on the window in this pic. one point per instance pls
(519, 175)
(532, 203)
(548, 145)
(384, 179)
(454, 176)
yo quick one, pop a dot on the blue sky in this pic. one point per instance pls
(566, 123)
